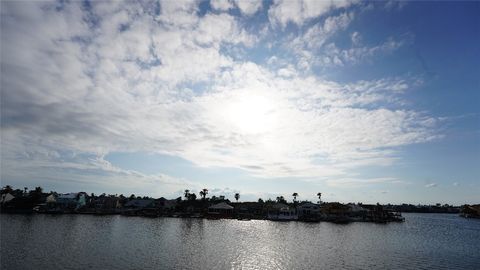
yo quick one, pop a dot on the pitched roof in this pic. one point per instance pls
(222, 205)
(6, 197)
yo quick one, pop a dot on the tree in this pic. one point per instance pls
(187, 192)
(36, 194)
(204, 193)
(237, 196)
(7, 189)
(281, 199)
(319, 194)
(192, 197)
(295, 195)
(38, 190)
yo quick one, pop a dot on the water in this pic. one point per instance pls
(423, 241)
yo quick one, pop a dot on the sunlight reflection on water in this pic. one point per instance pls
(110, 242)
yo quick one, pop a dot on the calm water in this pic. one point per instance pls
(424, 241)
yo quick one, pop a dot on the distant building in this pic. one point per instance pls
(6, 197)
(221, 210)
(471, 211)
(139, 206)
(308, 210)
(280, 211)
(107, 204)
(70, 201)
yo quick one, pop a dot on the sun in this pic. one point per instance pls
(252, 114)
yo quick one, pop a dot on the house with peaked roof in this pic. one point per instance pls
(138, 206)
(6, 197)
(281, 211)
(308, 210)
(222, 210)
(71, 201)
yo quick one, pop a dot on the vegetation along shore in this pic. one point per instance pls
(214, 207)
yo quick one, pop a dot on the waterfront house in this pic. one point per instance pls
(71, 201)
(308, 210)
(138, 206)
(166, 206)
(6, 197)
(280, 211)
(471, 211)
(356, 212)
(50, 199)
(220, 210)
(249, 210)
(106, 204)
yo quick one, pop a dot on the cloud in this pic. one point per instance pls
(339, 57)
(356, 38)
(82, 82)
(298, 12)
(318, 34)
(246, 7)
(356, 182)
(395, 5)
(222, 5)
(431, 185)
(313, 47)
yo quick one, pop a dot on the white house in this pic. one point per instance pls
(6, 198)
(308, 209)
(282, 211)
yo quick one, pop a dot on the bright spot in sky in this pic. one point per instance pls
(252, 114)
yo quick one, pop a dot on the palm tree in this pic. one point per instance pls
(204, 193)
(319, 194)
(280, 199)
(237, 196)
(295, 195)
(186, 193)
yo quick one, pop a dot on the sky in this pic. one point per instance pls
(361, 101)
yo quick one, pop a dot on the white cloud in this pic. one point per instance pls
(248, 7)
(431, 185)
(356, 38)
(283, 11)
(129, 79)
(318, 34)
(222, 5)
(313, 48)
(355, 182)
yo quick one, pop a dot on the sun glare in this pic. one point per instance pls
(252, 114)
